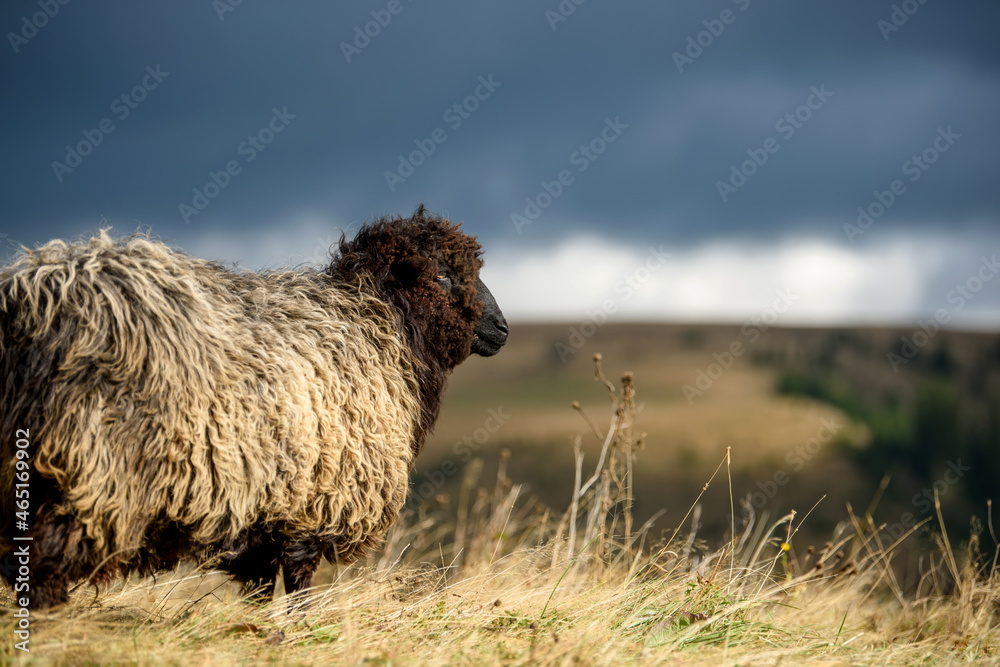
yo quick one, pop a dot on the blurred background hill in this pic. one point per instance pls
(808, 412)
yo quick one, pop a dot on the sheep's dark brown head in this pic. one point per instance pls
(429, 270)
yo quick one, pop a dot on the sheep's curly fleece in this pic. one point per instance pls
(176, 390)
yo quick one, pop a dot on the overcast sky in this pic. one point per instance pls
(688, 160)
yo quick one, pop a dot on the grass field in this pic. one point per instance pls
(565, 569)
(684, 440)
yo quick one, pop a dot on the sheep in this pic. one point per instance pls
(158, 407)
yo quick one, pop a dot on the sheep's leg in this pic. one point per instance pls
(298, 574)
(257, 570)
(57, 555)
(38, 565)
(298, 564)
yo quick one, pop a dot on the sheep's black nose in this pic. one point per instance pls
(502, 327)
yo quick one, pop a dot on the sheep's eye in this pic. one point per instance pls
(444, 280)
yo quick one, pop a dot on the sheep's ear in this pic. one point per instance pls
(409, 269)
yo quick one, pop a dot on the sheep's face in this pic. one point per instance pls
(429, 269)
(461, 316)
(490, 330)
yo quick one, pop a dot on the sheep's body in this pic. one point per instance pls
(176, 408)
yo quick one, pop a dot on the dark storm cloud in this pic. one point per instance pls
(556, 88)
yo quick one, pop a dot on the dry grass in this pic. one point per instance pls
(502, 580)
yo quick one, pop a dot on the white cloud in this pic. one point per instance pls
(896, 280)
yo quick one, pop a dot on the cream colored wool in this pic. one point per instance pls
(220, 400)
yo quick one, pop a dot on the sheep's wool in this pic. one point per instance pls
(158, 387)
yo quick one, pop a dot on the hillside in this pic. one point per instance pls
(788, 448)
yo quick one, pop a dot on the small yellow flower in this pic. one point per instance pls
(785, 546)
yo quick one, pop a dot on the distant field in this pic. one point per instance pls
(769, 433)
